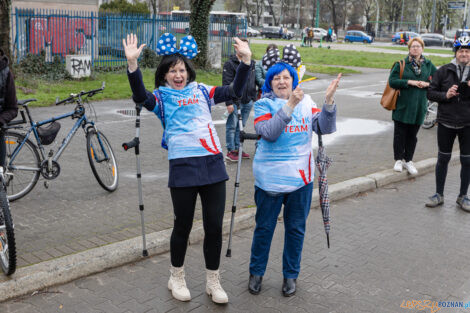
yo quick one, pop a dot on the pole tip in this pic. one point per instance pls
(229, 253)
(145, 253)
(328, 240)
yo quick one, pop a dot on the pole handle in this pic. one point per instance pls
(247, 136)
(131, 144)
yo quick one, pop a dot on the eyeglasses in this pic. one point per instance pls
(415, 47)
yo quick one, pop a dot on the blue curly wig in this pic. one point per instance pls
(275, 70)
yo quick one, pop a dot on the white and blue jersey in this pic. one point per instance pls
(188, 126)
(287, 163)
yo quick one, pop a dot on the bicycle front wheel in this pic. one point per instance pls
(22, 172)
(7, 237)
(102, 160)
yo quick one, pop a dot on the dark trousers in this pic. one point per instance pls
(404, 140)
(296, 209)
(213, 207)
(445, 142)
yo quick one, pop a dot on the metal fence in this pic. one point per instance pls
(59, 33)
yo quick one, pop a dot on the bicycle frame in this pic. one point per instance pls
(82, 121)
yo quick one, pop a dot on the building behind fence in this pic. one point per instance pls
(61, 33)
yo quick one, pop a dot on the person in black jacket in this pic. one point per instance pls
(8, 101)
(232, 130)
(450, 87)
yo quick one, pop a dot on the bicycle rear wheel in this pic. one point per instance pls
(102, 160)
(7, 237)
(431, 115)
(22, 172)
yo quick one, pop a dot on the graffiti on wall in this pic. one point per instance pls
(63, 34)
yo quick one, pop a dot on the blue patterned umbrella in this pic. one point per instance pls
(322, 162)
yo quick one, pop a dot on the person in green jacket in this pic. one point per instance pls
(411, 103)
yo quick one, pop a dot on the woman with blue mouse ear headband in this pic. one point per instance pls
(194, 151)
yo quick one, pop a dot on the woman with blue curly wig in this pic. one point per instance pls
(283, 168)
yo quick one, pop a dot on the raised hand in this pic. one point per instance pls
(330, 91)
(242, 50)
(132, 51)
(296, 96)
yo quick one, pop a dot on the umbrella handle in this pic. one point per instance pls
(320, 141)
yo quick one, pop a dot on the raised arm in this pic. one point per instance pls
(235, 90)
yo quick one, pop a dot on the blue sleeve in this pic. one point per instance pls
(234, 91)
(139, 93)
(326, 120)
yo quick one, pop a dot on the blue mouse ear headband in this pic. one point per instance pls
(166, 45)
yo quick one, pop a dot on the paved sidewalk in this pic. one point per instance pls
(386, 248)
(75, 214)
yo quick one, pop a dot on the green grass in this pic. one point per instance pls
(346, 58)
(447, 51)
(117, 86)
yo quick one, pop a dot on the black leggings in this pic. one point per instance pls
(404, 140)
(445, 142)
(213, 207)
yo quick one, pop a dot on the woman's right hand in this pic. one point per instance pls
(131, 51)
(296, 96)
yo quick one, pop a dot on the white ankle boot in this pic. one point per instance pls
(177, 284)
(213, 287)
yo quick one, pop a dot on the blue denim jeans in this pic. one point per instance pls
(296, 209)
(232, 129)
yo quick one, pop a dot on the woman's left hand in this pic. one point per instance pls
(242, 50)
(330, 91)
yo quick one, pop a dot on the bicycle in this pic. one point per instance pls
(26, 161)
(430, 119)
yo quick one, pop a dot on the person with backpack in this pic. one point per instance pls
(8, 101)
(450, 87)
(194, 151)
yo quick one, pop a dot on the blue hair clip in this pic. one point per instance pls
(166, 45)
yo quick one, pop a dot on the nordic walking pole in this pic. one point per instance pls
(135, 143)
(243, 136)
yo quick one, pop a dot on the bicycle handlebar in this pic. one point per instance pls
(89, 93)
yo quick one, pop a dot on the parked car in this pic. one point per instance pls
(273, 32)
(431, 39)
(357, 36)
(320, 33)
(396, 37)
(251, 32)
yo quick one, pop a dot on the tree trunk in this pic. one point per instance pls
(5, 27)
(272, 13)
(333, 14)
(199, 25)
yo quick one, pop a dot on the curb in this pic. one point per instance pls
(28, 279)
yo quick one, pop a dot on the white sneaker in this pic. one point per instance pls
(410, 167)
(398, 167)
(213, 287)
(177, 284)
